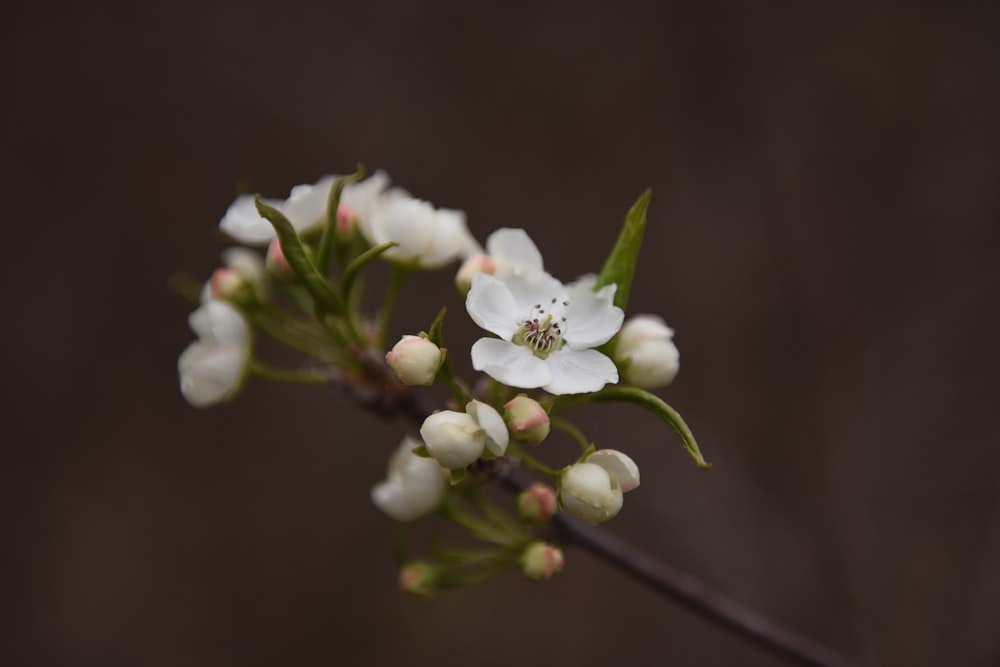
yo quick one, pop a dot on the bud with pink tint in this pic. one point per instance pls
(230, 285)
(419, 579)
(415, 360)
(478, 263)
(527, 419)
(537, 504)
(541, 560)
(276, 263)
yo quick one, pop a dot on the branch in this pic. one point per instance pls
(683, 588)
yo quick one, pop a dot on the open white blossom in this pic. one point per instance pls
(305, 208)
(414, 485)
(428, 237)
(546, 331)
(211, 369)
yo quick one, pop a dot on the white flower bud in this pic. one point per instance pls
(478, 263)
(415, 360)
(453, 439)
(537, 504)
(590, 492)
(414, 485)
(541, 560)
(527, 419)
(646, 344)
(456, 439)
(211, 369)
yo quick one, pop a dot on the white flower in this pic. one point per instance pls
(592, 490)
(428, 238)
(546, 331)
(415, 360)
(646, 343)
(211, 369)
(414, 485)
(456, 439)
(305, 208)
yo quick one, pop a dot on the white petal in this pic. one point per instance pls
(218, 322)
(513, 248)
(306, 204)
(243, 223)
(623, 467)
(210, 374)
(579, 371)
(491, 306)
(593, 319)
(492, 423)
(513, 365)
(361, 197)
(640, 328)
(448, 240)
(534, 288)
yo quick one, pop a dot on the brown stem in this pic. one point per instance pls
(679, 586)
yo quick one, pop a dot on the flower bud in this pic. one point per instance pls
(453, 439)
(276, 263)
(646, 343)
(537, 504)
(347, 221)
(414, 485)
(590, 492)
(231, 285)
(415, 360)
(527, 419)
(541, 560)
(478, 263)
(418, 578)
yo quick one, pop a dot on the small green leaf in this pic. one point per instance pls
(295, 253)
(435, 335)
(329, 237)
(646, 400)
(354, 269)
(421, 451)
(619, 267)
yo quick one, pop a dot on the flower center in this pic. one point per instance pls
(543, 331)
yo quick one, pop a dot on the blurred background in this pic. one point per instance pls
(823, 237)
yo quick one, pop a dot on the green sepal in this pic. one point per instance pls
(457, 475)
(295, 254)
(354, 269)
(619, 267)
(421, 451)
(436, 333)
(650, 402)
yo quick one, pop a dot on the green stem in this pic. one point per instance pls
(484, 530)
(279, 330)
(397, 276)
(532, 462)
(293, 375)
(570, 429)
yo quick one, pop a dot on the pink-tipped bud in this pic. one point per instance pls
(478, 263)
(419, 579)
(527, 419)
(276, 263)
(541, 560)
(415, 360)
(347, 221)
(231, 285)
(537, 504)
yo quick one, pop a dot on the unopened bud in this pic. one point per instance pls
(646, 343)
(527, 419)
(537, 504)
(347, 221)
(418, 578)
(415, 360)
(276, 263)
(541, 560)
(231, 285)
(478, 263)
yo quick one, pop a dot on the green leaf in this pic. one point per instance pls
(354, 269)
(646, 400)
(329, 237)
(291, 245)
(619, 267)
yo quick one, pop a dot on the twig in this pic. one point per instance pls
(683, 588)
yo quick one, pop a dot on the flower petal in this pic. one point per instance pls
(218, 322)
(593, 317)
(491, 306)
(623, 467)
(511, 364)
(497, 436)
(210, 374)
(579, 371)
(243, 223)
(513, 249)
(449, 239)
(306, 204)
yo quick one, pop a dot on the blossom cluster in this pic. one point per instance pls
(548, 346)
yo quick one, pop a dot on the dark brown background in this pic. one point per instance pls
(823, 237)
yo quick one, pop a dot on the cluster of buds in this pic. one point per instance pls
(549, 347)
